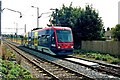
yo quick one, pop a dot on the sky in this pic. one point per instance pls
(108, 10)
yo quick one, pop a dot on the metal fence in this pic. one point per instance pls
(111, 47)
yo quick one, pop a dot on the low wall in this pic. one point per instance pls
(111, 47)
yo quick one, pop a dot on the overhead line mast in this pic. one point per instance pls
(0, 17)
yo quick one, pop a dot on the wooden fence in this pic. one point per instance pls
(111, 47)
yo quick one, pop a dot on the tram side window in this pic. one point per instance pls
(39, 40)
(44, 39)
(48, 38)
(29, 40)
(53, 38)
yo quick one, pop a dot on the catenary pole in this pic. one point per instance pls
(0, 30)
(0, 17)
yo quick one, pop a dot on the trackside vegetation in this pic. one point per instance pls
(97, 56)
(10, 69)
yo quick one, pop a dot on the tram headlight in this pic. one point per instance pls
(59, 47)
(71, 46)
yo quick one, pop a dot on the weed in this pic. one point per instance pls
(97, 56)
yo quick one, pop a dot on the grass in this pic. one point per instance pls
(97, 56)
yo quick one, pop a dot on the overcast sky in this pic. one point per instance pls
(108, 10)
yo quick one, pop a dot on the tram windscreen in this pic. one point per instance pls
(64, 36)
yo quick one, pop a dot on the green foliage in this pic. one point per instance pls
(4, 70)
(66, 16)
(85, 23)
(116, 32)
(14, 71)
(97, 56)
(10, 76)
(89, 24)
(115, 61)
(27, 77)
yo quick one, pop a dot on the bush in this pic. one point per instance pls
(116, 32)
(104, 58)
(115, 61)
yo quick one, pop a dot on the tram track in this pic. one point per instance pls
(42, 73)
(84, 73)
(53, 70)
(102, 67)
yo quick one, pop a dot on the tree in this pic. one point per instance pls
(66, 16)
(85, 23)
(89, 25)
(116, 32)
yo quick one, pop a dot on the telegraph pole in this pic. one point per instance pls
(37, 15)
(119, 12)
(25, 28)
(0, 30)
(0, 18)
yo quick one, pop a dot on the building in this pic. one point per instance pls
(108, 34)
